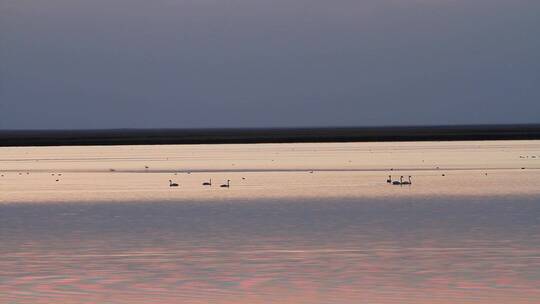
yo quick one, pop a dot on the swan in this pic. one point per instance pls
(227, 185)
(171, 184)
(409, 182)
(208, 183)
(389, 180)
(399, 182)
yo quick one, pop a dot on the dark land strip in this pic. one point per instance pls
(281, 135)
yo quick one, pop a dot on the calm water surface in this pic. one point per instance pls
(480, 250)
(286, 236)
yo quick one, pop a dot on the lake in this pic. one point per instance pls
(300, 223)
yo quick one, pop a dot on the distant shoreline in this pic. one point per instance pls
(13, 138)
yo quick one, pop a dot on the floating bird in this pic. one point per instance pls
(389, 180)
(227, 185)
(409, 182)
(208, 183)
(399, 182)
(171, 184)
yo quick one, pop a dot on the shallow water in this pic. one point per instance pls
(281, 235)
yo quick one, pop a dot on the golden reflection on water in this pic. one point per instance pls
(141, 173)
(280, 234)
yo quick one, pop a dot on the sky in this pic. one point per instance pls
(88, 64)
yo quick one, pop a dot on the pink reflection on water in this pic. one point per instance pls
(438, 251)
(302, 276)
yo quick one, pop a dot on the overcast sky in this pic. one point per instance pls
(267, 63)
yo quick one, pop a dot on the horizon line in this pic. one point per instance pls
(93, 137)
